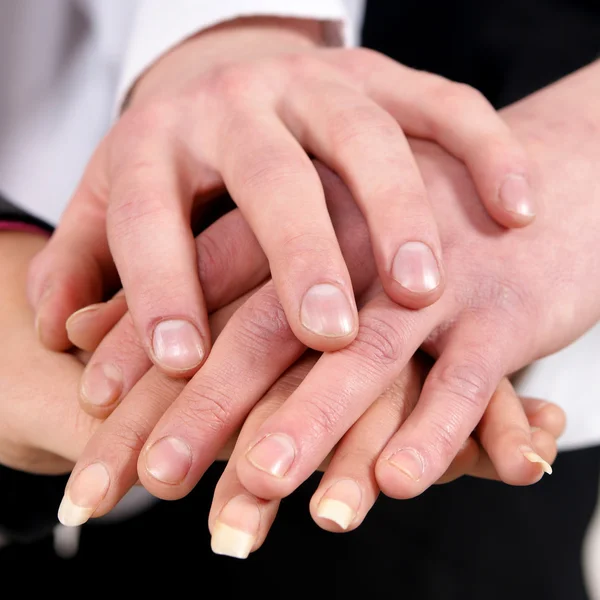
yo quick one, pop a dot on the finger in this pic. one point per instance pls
(75, 269)
(151, 239)
(254, 349)
(230, 263)
(107, 467)
(460, 119)
(475, 462)
(453, 400)
(239, 522)
(348, 489)
(545, 415)
(274, 183)
(545, 419)
(88, 326)
(291, 444)
(505, 434)
(365, 146)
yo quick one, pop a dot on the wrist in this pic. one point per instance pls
(245, 38)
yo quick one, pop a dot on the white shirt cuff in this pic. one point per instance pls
(159, 26)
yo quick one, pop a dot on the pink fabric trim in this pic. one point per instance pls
(20, 226)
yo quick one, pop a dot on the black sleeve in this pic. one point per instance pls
(28, 503)
(11, 212)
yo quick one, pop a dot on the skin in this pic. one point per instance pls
(521, 289)
(43, 431)
(190, 129)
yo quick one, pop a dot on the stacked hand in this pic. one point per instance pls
(509, 298)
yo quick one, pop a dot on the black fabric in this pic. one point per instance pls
(11, 212)
(507, 49)
(469, 540)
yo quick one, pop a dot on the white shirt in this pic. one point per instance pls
(65, 66)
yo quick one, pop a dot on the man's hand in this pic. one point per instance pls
(513, 296)
(243, 106)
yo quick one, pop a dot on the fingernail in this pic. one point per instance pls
(177, 345)
(236, 529)
(274, 454)
(410, 462)
(533, 457)
(83, 495)
(340, 503)
(415, 268)
(101, 384)
(515, 196)
(39, 312)
(326, 311)
(87, 310)
(169, 460)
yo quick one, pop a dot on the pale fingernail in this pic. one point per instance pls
(236, 529)
(83, 495)
(533, 457)
(409, 462)
(101, 384)
(340, 503)
(274, 454)
(87, 310)
(415, 268)
(177, 345)
(515, 196)
(39, 312)
(168, 460)
(327, 311)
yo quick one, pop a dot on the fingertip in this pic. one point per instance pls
(548, 417)
(338, 508)
(399, 476)
(328, 318)
(415, 279)
(177, 347)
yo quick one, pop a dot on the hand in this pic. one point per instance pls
(499, 314)
(239, 522)
(502, 447)
(42, 428)
(241, 106)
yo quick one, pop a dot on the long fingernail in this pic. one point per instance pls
(177, 345)
(326, 311)
(101, 384)
(340, 503)
(236, 529)
(409, 462)
(415, 268)
(533, 457)
(274, 454)
(168, 460)
(515, 196)
(83, 495)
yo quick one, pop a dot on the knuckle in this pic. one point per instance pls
(130, 435)
(456, 98)
(361, 125)
(138, 124)
(262, 322)
(378, 343)
(207, 408)
(323, 413)
(301, 66)
(232, 82)
(467, 384)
